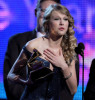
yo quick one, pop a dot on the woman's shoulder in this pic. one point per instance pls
(30, 45)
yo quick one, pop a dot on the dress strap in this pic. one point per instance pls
(28, 53)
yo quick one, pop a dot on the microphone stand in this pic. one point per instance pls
(82, 54)
(80, 50)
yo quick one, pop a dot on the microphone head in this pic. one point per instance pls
(78, 50)
(81, 46)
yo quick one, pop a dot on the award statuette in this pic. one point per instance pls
(36, 68)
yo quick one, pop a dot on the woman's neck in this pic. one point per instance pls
(54, 42)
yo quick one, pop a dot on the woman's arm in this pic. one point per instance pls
(69, 72)
(13, 74)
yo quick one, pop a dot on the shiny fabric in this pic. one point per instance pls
(49, 88)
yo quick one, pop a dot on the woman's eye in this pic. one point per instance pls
(56, 18)
(65, 19)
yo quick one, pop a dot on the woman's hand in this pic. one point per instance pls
(56, 59)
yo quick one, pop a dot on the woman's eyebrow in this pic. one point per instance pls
(55, 16)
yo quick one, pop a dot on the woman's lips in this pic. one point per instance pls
(61, 28)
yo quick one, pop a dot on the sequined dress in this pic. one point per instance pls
(49, 88)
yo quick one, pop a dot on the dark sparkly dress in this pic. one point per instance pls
(52, 87)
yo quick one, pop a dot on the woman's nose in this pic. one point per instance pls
(61, 22)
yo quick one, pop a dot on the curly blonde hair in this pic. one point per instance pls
(69, 41)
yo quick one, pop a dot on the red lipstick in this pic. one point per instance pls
(61, 28)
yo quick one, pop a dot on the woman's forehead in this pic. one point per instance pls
(58, 13)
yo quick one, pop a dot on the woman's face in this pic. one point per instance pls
(58, 23)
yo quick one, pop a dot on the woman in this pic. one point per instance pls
(54, 51)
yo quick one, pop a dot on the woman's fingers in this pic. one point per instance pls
(50, 52)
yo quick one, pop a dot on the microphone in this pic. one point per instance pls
(80, 49)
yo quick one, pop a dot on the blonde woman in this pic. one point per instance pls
(55, 51)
